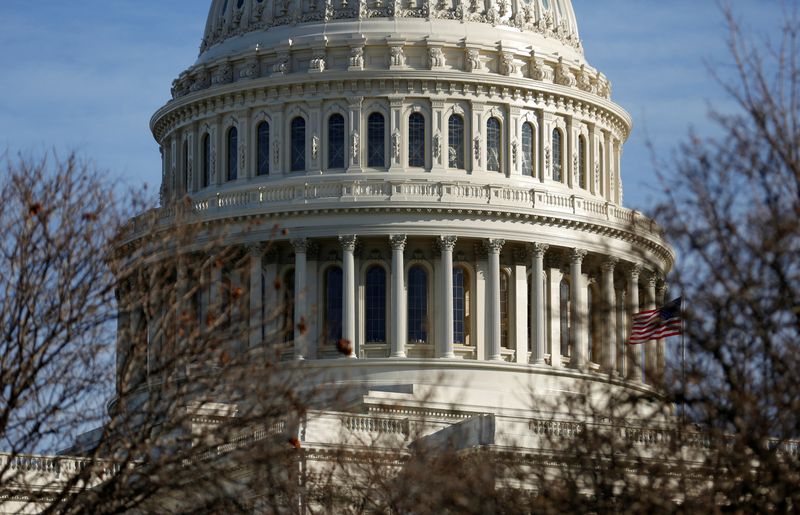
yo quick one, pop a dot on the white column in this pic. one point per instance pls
(256, 302)
(634, 351)
(446, 244)
(650, 349)
(348, 243)
(271, 304)
(580, 351)
(609, 316)
(482, 321)
(537, 302)
(554, 277)
(494, 247)
(520, 312)
(398, 243)
(300, 330)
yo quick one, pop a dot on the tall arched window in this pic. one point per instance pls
(558, 154)
(287, 313)
(417, 305)
(494, 140)
(376, 148)
(505, 282)
(298, 140)
(333, 304)
(564, 316)
(186, 178)
(336, 141)
(527, 149)
(416, 140)
(582, 161)
(233, 155)
(206, 172)
(263, 148)
(461, 305)
(375, 304)
(455, 141)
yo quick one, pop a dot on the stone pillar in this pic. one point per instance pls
(476, 146)
(300, 329)
(609, 320)
(396, 154)
(348, 243)
(256, 252)
(650, 349)
(580, 341)
(438, 143)
(554, 277)
(622, 306)
(519, 309)
(537, 302)
(634, 351)
(494, 247)
(446, 244)
(357, 139)
(398, 243)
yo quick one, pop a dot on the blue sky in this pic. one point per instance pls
(88, 74)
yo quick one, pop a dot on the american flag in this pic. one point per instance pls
(654, 324)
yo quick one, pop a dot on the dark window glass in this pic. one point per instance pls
(263, 148)
(375, 141)
(564, 317)
(455, 141)
(287, 315)
(375, 308)
(504, 318)
(557, 154)
(233, 156)
(493, 143)
(333, 304)
(527, 149)
(417, 305)
(459, 306)
(206, 161)
(416, 140)
(298, 144)
(582, 162)
(336, 141)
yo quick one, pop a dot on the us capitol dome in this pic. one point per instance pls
(446, 178)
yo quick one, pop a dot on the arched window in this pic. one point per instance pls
(461, 306)
(233, 156)
(287, 313)
(263, 148)
(375, 304)
(582, 162)
(186, 178)
(505, 281)
(564, 316)
(298, 139)
(376, 149)
(333, 304)
(416, 140)
(527, 149)
(417, 305)
(455, 141)
(206, 172)
(336, 141)
(558, 154)
(493, 143)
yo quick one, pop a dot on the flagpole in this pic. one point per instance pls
(683, 363)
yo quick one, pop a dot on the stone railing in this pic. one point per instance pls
(51, 471)
(370, 424)
(347, 192)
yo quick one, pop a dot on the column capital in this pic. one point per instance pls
(494, 246)
(447, 242)
(609, 264)
(348, 242)
(300, 245)
(652, 280)
(577, 255)
(256, 249)
(662, 288)
(635, 271)
(539, 249)
(398, 241)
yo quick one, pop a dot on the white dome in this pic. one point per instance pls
(545, 26)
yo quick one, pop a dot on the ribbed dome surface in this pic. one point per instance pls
(233, 26)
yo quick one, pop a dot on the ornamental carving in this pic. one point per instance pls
(507, 66)
(473, 61)
(541, 71)
(317, 64)
(398, 241)
(281, 65)
(357, 58)
(224, 74)
(514, 151)
(242, 158)
(564, 75)
(250, 70)
(476, 144)
(396, 145)
(446, 243)
(576, 256)
(348, 242)
(538, 249)
(397, 56)
(494, 246)
(354, 143)
(276, 152)
(435, 58)
(585, 80)
(314, 147)
(437, 147)
(596, 177)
